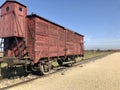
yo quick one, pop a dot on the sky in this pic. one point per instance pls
(97, 20)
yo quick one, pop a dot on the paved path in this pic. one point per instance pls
(102, 74)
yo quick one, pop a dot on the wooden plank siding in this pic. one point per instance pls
(30, 37)
(52, 40)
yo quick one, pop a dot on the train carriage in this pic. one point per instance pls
(34, 39)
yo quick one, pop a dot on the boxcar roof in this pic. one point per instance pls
(13, 1)
(35, 15)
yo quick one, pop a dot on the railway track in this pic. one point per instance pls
(8, 83)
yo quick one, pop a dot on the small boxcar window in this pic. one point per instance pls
(20, 9)
(7, 9)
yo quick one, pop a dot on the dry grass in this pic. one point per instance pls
(91, 54)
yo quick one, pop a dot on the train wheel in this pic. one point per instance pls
(44, 69)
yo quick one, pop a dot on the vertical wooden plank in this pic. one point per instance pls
(31, 37)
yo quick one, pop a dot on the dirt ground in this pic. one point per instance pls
(102, 74)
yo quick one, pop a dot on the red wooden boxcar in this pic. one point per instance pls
(51, 40)
(36, 39)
